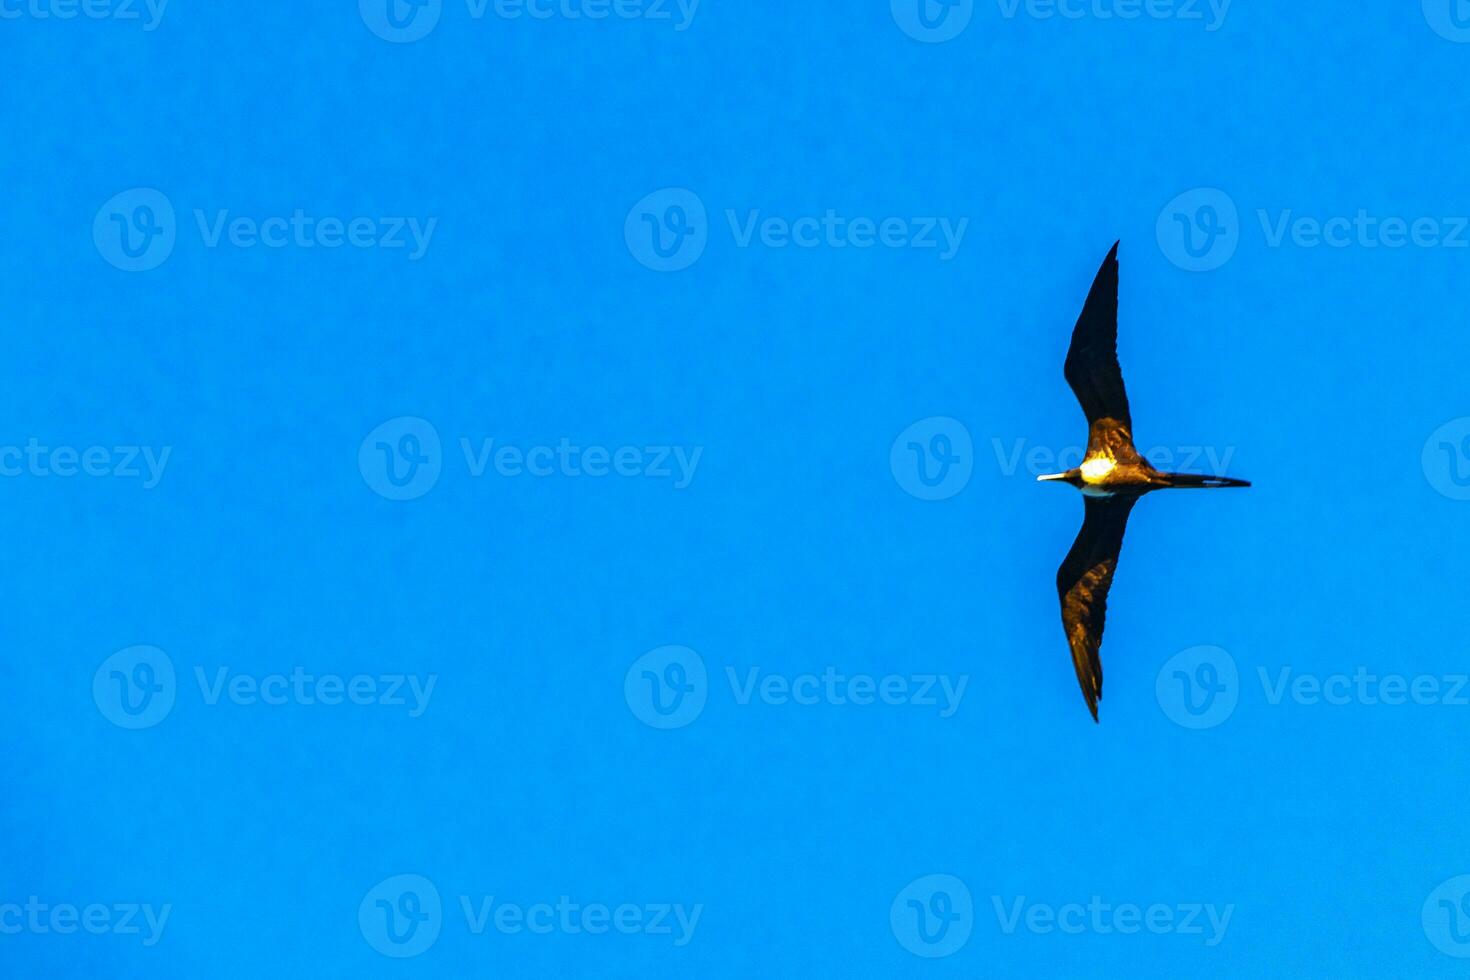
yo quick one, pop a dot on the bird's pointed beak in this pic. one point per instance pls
(1051, 476)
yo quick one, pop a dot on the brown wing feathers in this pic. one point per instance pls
(1083, 582)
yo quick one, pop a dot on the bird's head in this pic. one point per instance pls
(1072, 476)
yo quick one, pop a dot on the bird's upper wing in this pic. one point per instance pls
(1083, 582)
(1092, 361)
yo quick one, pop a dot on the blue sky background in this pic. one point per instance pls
(1324, 373)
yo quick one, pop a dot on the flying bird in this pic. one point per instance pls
(1112, 477)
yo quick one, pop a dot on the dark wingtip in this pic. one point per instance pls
(1113, 253)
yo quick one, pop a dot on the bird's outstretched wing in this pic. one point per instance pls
(1083, 582)
(1092, 361)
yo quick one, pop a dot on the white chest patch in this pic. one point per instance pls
(1089, 490)
(1097, 470)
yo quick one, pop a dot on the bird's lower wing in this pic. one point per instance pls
(1083, 582)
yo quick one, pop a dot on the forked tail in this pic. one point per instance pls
(1194, 480)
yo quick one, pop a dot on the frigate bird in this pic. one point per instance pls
(1112, 477)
